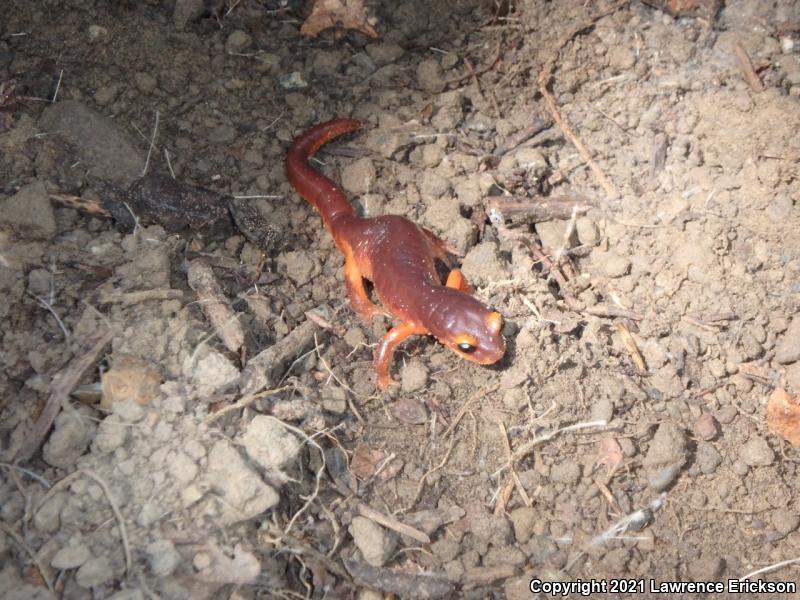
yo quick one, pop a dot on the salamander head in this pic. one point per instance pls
(468, 328)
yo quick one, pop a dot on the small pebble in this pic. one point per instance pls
(237, 41)
(375, 543)
(705, 427)
(414, 376)
(144, 82)
(756, 452)
(70, 557)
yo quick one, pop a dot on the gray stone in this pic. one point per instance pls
(70, 557)
(103, 148)
(788, 349)
(269, 443)
(94, 572)
(29, 212)
(756, 452)
(375, 543)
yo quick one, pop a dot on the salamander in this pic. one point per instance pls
(398, 257)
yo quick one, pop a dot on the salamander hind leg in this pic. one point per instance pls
(457, 280)
(385, 350)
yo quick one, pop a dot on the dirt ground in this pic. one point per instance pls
(624, 435)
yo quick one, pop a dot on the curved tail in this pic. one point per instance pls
(319, 191)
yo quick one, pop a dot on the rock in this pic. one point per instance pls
(665, 456)
(567, 471)
(551, 233)
(212, 372)
(128, 410)
(242, 493)
(621, 58)
(222, 134)
(106, 94)
(70, 557)
(602, 410)
(708, 458)
(756, 452)
(445, 548)
(432, 185)
(375, 543)
(414, 376)
(784, 521)
(707, 567)
(237, 41)
(29, 212)
(615, 265)
(587, 230)
(69, 440)
(48, 518)
(292, 81)
(186, 11)
(111, 434)
(482, 265)
(354, 337)
(524, 521)
(298, 265)
(269, 443)
(359, 176)
(145, 82)
(102, 148)
(129, 378)
(94, 572)
(384, 53)
(706, 427)
(788, 349)
(162, 558)
(98, 33)
(430, 75)
(182, 468)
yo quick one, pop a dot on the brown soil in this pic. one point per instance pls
(658, 465)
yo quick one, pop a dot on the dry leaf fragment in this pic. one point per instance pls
(350, 14)
(365, 461)
(783, 416)
(609, 453)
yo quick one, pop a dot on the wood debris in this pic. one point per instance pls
(783, 416)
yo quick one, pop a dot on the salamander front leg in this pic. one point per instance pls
(385, 350)
(357, 294)
(457, 280)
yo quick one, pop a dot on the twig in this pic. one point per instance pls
(27, 472)
(546, 74)
(215, 304)
(770, 568)
(535, 209)
(630, 346)
(88, 206)
(244, 403)
(393, 524)
(64, 382)
(151, 146)
(58, 86)
(52, 311)
(747, 69)
(39, 565)
(428, 473)
(475, 72)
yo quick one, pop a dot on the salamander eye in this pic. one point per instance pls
(466, 347)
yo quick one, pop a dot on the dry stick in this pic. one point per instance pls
(428, 473)
(546, 74)
(244, 403)
(747, 69)
(114, 508)
(507, 447)
(536, 208)
(393, 524)
(630, 346)
(39, 565)
(215, 304)
(770, 568)
(64, 382)
(151, 146)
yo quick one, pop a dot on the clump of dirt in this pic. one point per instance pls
(146, 451)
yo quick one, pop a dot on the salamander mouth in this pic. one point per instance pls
(480, 356)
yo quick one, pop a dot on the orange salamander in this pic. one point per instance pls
(398, 257)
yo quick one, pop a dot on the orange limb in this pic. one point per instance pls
(385, 349)
(439, 248)
(357, 293)
(457, 280)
